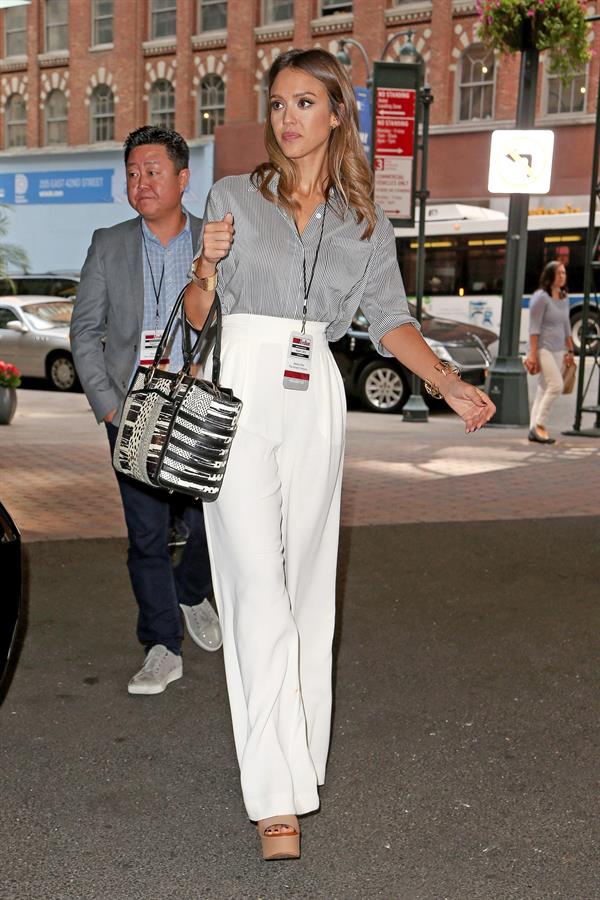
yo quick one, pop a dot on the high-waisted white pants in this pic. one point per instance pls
(273, 539)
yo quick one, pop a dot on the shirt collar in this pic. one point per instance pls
(150, 236)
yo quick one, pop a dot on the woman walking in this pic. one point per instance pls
(309, 247)
(550, 346)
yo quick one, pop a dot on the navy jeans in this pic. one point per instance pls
(158, 587)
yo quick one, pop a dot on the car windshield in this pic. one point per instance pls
(52, 314)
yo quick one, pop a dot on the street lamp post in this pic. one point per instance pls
(344, 57)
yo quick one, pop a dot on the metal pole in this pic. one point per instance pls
(507, 381)
(415, 409)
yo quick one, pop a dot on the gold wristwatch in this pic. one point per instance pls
(205, 284)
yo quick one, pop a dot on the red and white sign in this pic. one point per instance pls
(394, 150)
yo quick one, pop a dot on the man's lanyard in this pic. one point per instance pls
(312, 274)
(162, 276)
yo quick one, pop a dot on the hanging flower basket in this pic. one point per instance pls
(557, 26)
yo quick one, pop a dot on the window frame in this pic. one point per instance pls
(211, 108)
(548, 77)
(51, 121)
(472, 85)
(208, 4)
(9, 145)
(98, 17)
(155, 13)
(267, 9)
(170, 112)
(17, 10)
(99, 118)
(55, 26)
(328, 8)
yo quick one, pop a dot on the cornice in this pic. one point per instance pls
(210, 40)
(274, 31)
(53, 59)
(334, 24)
(415, 11)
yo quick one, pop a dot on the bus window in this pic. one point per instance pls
(442, 266)
(486, 258)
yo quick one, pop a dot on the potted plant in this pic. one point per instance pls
(557, 26)
(10, 379)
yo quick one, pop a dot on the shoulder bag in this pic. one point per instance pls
(176, 430)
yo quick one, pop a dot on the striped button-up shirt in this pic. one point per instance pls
(263, 273)
(176, 258)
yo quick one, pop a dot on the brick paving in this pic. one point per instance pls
(58, 483)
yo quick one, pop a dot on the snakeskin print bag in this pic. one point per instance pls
(176, 430)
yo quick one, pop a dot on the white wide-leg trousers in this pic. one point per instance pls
(549, 387)
(273, 539)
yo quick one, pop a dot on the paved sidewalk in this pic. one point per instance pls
(57, 480)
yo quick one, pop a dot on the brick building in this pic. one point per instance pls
(77, 75)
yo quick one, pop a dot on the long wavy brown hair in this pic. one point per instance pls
(348, 170)
(548, 277)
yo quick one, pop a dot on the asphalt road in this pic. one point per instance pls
(464, 759)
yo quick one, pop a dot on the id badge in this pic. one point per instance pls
(296, 375)
(150, 341)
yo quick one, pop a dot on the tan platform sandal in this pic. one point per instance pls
(276, 843)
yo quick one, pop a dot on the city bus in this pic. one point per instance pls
(465, 262)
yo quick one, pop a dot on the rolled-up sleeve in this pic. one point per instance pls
(384, 299)
(537, 308)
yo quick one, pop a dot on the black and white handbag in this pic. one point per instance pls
(176, 430)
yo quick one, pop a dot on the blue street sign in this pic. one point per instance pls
(365, 118)
(78, 186)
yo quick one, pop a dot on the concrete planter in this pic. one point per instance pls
(8, 404)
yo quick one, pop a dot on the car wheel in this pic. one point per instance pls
(62, 374)
(593, 330)
(382, 388)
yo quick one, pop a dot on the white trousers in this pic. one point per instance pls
(273, 539)
(550, 385)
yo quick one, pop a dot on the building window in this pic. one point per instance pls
(477, 76)
(212, 104)
(263, 98)
(277, 11)
(163, 19)
(57, 25)
(565, 99)
(162, 104)
(15, 122)
(56, 118)
(15, 31)
(212, 15)
(102, 22)
(330, 7)
(102, 114)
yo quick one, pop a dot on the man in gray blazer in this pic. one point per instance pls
(131, 278)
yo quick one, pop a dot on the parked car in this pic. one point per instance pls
(382, 384)
(34, 336)
(52, 284)
(11, 595)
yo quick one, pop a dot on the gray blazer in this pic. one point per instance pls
(108, 314)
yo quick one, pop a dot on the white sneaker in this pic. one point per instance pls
(203, 625)
(160, 669)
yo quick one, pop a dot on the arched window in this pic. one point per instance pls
(56, 117)
(263, 98)
(162, 104)
(102, 114)
(566, 99)
(212, 104)
(476, 87)
(15, 122)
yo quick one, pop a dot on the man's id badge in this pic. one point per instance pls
(150, 341)
(296, 374)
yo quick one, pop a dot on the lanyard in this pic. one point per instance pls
(162, 276)
(312, 273)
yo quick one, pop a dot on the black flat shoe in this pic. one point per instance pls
(534, 436)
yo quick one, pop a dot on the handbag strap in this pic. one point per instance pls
(190, 352)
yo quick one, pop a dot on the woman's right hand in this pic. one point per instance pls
(216, 244)
(532, 363)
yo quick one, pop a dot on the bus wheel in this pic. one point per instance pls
(593, 330)
(382, 388)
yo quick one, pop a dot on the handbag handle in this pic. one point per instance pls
(189, 353)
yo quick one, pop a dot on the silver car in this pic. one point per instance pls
(34, 336)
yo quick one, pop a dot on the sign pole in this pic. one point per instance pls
(507, 381)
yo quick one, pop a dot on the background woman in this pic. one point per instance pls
(550, 345)
(309, 247)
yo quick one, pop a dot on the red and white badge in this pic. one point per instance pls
(296, 375)
(150, 341)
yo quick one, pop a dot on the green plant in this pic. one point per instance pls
(557, 26)
(11, 256)
(9, 375)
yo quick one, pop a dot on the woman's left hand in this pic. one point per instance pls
(473, 406)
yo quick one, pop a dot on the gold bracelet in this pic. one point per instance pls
(444, 368)
(209, 283)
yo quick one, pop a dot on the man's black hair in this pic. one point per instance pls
(175, 145)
